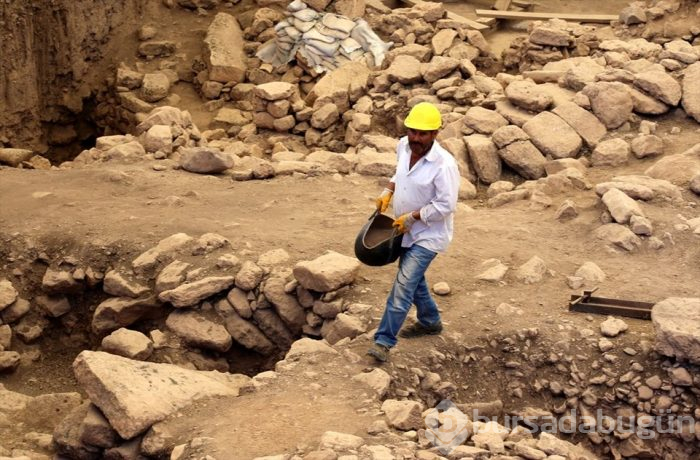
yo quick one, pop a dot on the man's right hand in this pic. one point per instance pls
(384, 199)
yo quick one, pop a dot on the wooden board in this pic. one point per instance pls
(602, 18)
(456, 17)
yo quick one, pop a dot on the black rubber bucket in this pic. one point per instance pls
(378, 243)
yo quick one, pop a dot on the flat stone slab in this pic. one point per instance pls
(677, 324)
(553, 136)
(583, 122)
(190, 294)
(327, 273)
(133, 395)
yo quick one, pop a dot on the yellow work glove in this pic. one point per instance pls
(384, 199)
(404, 222)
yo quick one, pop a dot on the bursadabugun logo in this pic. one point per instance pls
(446, 426)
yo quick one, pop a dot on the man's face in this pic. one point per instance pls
(420, 141)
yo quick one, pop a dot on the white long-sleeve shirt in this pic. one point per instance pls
(431, 186)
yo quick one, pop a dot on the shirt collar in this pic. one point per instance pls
(432, 154)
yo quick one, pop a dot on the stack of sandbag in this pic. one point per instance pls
(321, 41)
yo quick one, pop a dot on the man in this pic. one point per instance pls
(424, 190)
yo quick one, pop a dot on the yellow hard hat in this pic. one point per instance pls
(424, 116)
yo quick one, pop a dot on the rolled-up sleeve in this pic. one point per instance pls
(445, 201)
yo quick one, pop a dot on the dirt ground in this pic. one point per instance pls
(125, 209)
(111, 213)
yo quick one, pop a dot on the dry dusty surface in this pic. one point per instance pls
(110, 213)
(119, 211)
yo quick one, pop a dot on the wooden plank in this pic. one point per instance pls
(501, 5)
(456, 17)
(527, 15)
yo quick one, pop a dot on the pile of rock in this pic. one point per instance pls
(549, 41)
(261, 306)
(279, 108)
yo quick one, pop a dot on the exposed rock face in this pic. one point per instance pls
(44, 46)
(133, 395)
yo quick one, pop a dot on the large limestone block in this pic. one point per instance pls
(199, 331)
(528, 95)
(334, 441)
(128, 343)
(405, 70)
(618, 235)
(676, 323)
(286, 305)
(442, 41)
(524, 158)
(205, 160)
(343, 326)
(161, 251)
(678, 169)
(635, 191)
(248, 334)
(224, 54)
(438, 67)
(660, 187)
(582, 121)
(158, 138)
(308, 346)
(190, 294)
(513, 114)
(133, 395)
(483, 120)
(274, 90)
(611, 102)
(8, 294)
(13, 157)
(691, 91)
(378, 380)
(484, 158)
(370, 162)
(659, 85)
(549, 36)
(327, 273)
(380, 143)
(621, 206)
(645, 104)
(156, 86)
(339, 81)
(403, 415)
(115, 284)
(118, 312)
(611, 152)
(273, 327)
(531, 271)
(553, 136)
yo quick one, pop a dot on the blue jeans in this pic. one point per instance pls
(409, 288)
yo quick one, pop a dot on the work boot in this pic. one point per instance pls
(418, 330)
(379, 352)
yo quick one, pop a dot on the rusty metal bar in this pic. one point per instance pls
(586, 303)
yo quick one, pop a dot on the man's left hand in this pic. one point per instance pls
(404, 222)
